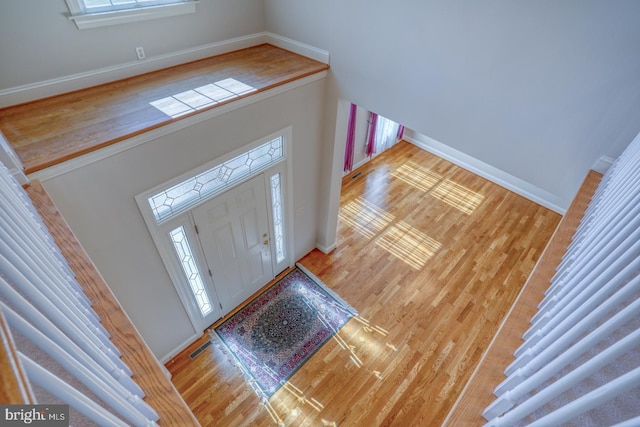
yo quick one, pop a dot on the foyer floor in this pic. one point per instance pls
(432, 256)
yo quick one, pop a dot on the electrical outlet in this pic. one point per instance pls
(140, 52)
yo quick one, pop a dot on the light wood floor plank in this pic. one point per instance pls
(431, 254)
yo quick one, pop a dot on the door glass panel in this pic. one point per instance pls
(278, 217)
(187, 261)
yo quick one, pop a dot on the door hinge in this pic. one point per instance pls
(220, 304)
(211, 275)
(196, 227)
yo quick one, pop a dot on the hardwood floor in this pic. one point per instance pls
(49, 131)
(432, 256)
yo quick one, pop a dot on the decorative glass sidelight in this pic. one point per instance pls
(278, 216)
(190, 269)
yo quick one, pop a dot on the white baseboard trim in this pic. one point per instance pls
(47, 88)
(297, 47)
(167, 373)
(510, 182)
(173, 353)
(603, 164)
(356, 166)
(326, 249)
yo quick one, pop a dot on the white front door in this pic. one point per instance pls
(234, 233)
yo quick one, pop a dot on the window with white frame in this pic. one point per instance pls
(99, 13)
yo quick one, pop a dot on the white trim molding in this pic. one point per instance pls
(493, 174)
(297, 47)
(177, 350)
(603, 164)
(326, 249)
(356, 166)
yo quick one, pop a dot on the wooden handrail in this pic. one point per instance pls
(147, 371)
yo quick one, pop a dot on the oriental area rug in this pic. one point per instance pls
(273, 335)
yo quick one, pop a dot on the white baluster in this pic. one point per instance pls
(591, 400)
(68, 394)
(115, 366)
(546, 365)
(583, 404)
(581, 305)
(51, 284)
(112, 393)
(103, 366)
(592, 263)
(567, 319)
(633, 422)
(603, 230)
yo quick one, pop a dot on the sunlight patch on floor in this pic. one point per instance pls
(366, 218)
(408, 244)
(417, 176)
(201, 97)
(294, 396)
(292, 400)
(458, 196)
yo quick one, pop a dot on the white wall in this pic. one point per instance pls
(539, 90)
(98, 202)
(39, 44)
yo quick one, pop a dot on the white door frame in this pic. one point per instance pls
(159, 232)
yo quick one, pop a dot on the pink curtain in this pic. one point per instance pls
(371, 137)
(351, 138)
